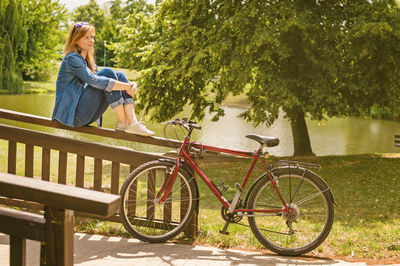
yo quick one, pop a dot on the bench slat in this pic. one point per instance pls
(99, 131)
(80, 170)
(98, 173)
(22, 224)
(89, 149)
(45, 164)
(29, 160)
(12, 157)
(57, 195)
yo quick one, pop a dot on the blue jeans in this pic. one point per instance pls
(94, 102)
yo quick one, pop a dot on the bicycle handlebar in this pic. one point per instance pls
(188, 124)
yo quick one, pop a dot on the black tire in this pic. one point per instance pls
(313, 211)
(149, 221)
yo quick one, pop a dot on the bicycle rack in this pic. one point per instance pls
(296, 164)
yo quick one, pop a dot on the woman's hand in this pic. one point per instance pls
(133, 88)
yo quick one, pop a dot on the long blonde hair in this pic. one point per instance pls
(76, 32)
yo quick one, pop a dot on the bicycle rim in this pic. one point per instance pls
(297, 233)
(151, 221)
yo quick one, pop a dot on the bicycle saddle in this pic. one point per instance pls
(269, 141)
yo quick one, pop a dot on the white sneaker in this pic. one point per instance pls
(119, 126)
(139, 128)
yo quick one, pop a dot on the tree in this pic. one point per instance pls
(12, 42)
(371, 56)
(106, 22)
(42, 19)
(295, 56)
(129, 15)
(120, 10)
(138, 27)
(96, 16)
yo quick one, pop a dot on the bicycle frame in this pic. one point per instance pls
(256, 156)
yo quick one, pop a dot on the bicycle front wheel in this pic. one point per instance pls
(143, 216)
(307, 224)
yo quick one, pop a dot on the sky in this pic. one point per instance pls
(72, 4)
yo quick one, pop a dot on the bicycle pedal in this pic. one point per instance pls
(223, 232)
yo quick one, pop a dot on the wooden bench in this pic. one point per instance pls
(75, 157)
(54, 229)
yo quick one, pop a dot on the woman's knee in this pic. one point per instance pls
(121, 76)
(107, 72)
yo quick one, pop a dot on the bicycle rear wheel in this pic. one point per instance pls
(312, 214)
(151, 221)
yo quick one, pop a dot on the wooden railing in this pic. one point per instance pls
(54, 229)
(81, 149)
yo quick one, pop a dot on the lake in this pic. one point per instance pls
(334, 136)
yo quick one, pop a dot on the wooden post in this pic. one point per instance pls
(59, 247)
(80, 170)
(62, 167)
(45, 164)
(151, 190)
(17, 251)
(168, 203)
(12, 157)
(98, 172)
(115, 178)
(28, 160)
(192, 230)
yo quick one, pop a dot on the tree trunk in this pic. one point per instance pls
(301, 139)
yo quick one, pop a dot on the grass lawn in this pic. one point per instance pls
(366, 187)
(367, 220)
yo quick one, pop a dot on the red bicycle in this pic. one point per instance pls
(289, 207)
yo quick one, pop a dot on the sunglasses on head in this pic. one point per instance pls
(80, 24)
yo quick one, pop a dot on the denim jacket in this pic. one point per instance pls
(73, 77)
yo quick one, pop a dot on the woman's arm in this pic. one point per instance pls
(77, 66)
(121, 86)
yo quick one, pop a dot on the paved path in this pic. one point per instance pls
(103, 250)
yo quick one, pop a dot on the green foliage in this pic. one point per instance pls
(93, 14)
(320, 58)
(139, 28)
(42, 19)
(120, 10)
(371, 56)
(12, 42)
(106, 23)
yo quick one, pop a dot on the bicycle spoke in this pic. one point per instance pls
(301, 229)
(148, 219)
(301, 202)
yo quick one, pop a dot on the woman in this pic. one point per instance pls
(83, 93)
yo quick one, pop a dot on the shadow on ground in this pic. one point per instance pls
(104, 250)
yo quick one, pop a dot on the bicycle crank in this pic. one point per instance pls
(230, 217)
